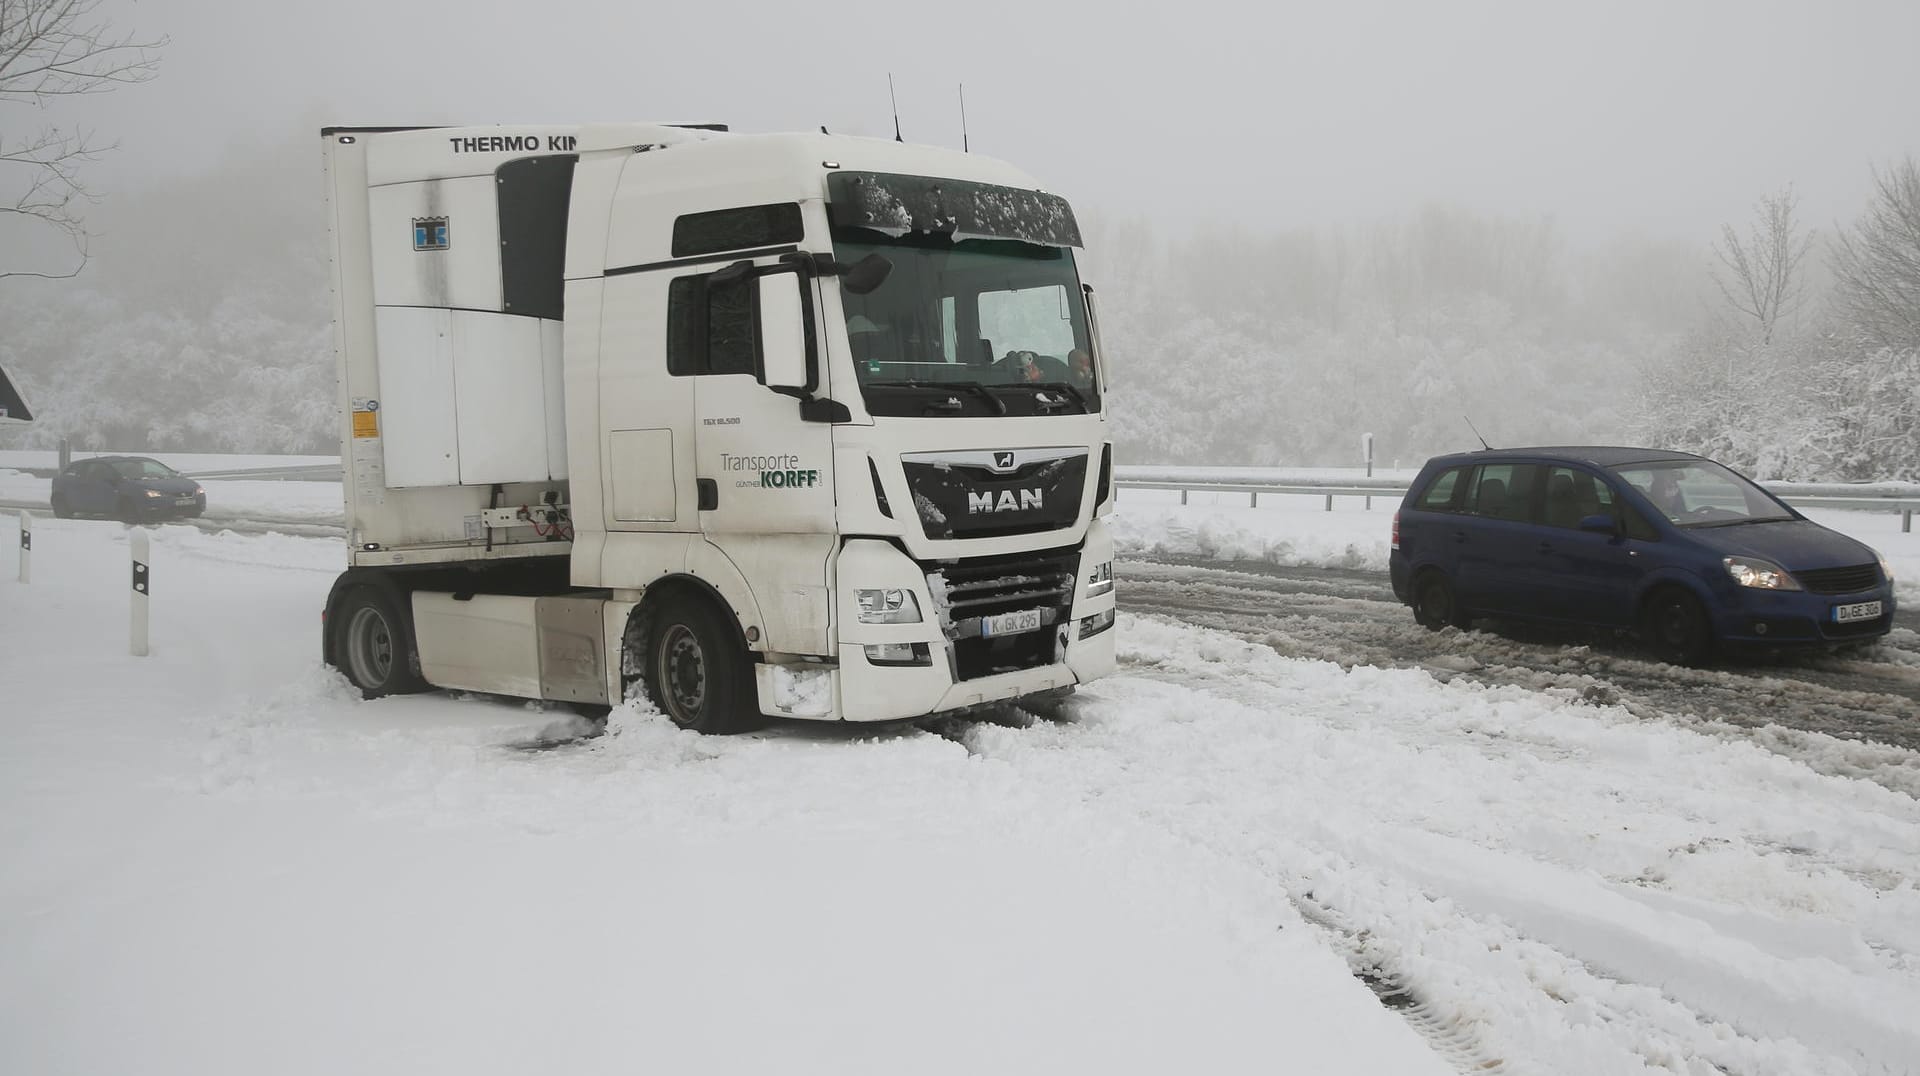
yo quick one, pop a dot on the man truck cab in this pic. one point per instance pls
(765, 425)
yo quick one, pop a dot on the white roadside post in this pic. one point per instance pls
(1366, 443)
(26, 547)
(141, 585)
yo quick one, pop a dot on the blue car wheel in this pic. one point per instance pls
(1677, 628)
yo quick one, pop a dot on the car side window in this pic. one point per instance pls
(1573, 495)
(1439, 494)
(1502, 491)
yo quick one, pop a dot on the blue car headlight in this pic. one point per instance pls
(1759, 574)
(1886, 570)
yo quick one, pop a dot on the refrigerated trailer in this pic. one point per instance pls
(760, 425)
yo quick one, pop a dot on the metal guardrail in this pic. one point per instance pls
(1905, 505)
(315, 472)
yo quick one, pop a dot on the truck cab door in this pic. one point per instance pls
(760, 465)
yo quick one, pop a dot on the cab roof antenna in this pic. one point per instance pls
(964, 147)
(1476, 433)
(896, 108)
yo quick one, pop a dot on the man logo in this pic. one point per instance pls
(1003, 461)
(429, 233)
(1028, 500)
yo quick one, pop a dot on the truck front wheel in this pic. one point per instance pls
(374, 647)
(698, 673)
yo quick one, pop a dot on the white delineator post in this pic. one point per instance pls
(26, 547)
(1366, 444)
(142, 584)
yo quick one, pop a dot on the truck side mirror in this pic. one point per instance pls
(867, 274)
(783, 334)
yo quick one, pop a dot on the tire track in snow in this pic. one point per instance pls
(1847, 716)
(1577, 967)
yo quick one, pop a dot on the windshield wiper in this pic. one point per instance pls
(1737, 522)
(1065, 387)
(999, 406)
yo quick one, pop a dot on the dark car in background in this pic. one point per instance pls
(1688, 552)
(130, 488)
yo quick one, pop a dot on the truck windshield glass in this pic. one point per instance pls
(955, 318)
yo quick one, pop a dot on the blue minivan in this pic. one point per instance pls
(1677, 546)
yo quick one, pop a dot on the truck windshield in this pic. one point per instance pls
(969, 326)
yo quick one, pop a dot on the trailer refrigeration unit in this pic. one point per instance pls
(763, 425)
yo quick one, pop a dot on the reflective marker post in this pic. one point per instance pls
(26, 547)
(1366, 441)
(142, 580)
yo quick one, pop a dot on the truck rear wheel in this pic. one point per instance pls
(375, 646)
(697, 672)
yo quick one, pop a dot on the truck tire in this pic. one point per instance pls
(374, 644)
(697, 671)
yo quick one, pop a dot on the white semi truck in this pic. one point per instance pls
(772, 425)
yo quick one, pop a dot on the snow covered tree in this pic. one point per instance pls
(51, 50)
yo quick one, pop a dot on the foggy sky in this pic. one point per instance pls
(1648, 118)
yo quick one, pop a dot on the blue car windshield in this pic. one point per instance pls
(1701, 493)
(143, 469)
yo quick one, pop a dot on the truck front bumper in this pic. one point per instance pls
(949, 669)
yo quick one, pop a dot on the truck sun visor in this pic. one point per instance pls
(899, 204)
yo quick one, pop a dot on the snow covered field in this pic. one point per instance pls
(220, 860)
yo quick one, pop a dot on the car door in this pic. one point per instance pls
(1580, 575)
(1496, 537)
(94, 492)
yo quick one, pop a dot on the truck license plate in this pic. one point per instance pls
(1846, 614)
(1010, 623)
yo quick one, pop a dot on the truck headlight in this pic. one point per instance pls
(898, 654)
(1093, 625)
(1760, 574)
(1100, 580)
(889, 606)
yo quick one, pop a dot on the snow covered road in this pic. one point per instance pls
(221, 860)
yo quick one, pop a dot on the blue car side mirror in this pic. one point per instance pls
(1601, 524)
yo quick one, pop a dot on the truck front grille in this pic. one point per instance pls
(968, 591)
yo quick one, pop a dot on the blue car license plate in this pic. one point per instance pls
(183, 502)
(1847, 614)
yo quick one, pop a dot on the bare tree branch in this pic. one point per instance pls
(1876, 264)
(1760, 275)
(51, 49)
